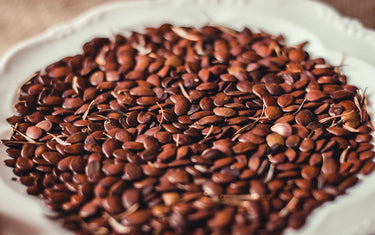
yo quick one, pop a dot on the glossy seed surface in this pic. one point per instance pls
(180, 130)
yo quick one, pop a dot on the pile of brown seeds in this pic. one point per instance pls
(189, 131)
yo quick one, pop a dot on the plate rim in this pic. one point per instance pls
(52, 33)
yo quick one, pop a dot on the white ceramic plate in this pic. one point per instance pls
(330, 36)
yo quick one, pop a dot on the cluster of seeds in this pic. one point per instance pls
(180, 130)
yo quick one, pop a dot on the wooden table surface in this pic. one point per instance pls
(21, 19)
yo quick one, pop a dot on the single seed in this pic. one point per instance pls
(272, 112)
(274, 139)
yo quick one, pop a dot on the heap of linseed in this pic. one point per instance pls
(189, 131)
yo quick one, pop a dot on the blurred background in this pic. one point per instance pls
(21, 19)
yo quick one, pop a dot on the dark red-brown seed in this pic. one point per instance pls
(182, 130)
(136, 218)
(34, 132)
(285, 100)
(177, 176)
(132, 172)
(309, 172)
(130, 197)
(112, 204)
(212, 189)
(24, 164)
(303, 117)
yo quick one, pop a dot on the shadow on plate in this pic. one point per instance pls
(12, 226)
